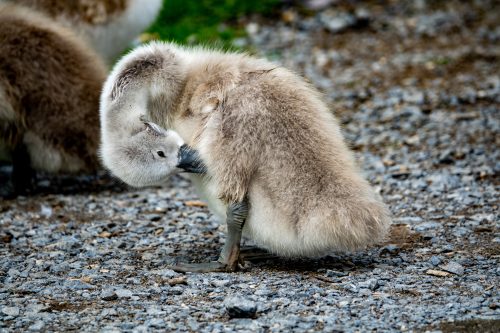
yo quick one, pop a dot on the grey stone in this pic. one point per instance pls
(334, 273)
(109, 295)
(336, 24)
(156, 322)
(240, 307)
(123, 293)
(37, 326)
(435, 260)
(220, 283)
(461, 232)
(10, 311)
(390, 248)
(78, 285)
(453, 267)
(427, 226)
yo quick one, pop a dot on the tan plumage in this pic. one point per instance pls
(264, 133)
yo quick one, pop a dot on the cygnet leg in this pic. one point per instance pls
(22, 177)
(229, 258)
(235, 219)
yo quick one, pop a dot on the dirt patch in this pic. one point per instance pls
(470, 326)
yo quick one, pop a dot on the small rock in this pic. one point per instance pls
(78, 285)
(176, 290)
(156, 322)
(153, 217)
(10, 311)
(109, 295)
(177, 280)
(435, 260)
(415, 97)
(390, 248)
(165, 273)
(333, 273)
(427, 226)
(220, 283)
(371, 284)
(338, 22)
(453, 267)
(447, 248)
(342, 304)
(460, 232)
(239, 307)
(123, 293)
(37, 326)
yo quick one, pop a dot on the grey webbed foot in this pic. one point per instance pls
(252, 253)
(189, 160)
(229, 258)
(213, 266)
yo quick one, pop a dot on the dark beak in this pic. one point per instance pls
(189, 160)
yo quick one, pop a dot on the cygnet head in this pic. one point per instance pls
(146, 158)
(139, 152)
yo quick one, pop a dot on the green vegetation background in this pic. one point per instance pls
(206, 21)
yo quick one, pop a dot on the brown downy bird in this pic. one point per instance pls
(108, 25)
(50, 82)
(274, 155)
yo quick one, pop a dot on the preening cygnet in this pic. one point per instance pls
(273, 151)
(50, 83)
(109, 25)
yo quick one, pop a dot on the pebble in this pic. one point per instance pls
(435, 260)
(78, 285)
(10, 311)
(240, 307)
(123, 293)
(333, 274)
(453, 267)
(109, 295)
(338, 22)
(390, 248)
(37, 326)
(220, 283)
(427, 226)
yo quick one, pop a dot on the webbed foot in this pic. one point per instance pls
(252, 253)
(213, 266)
(229, 259)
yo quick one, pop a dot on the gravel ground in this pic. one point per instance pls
(416, 86)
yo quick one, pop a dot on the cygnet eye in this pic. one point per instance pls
(161, 154)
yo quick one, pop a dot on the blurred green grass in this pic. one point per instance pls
(206, 21)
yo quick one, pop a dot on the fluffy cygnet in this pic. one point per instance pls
(274, 153)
